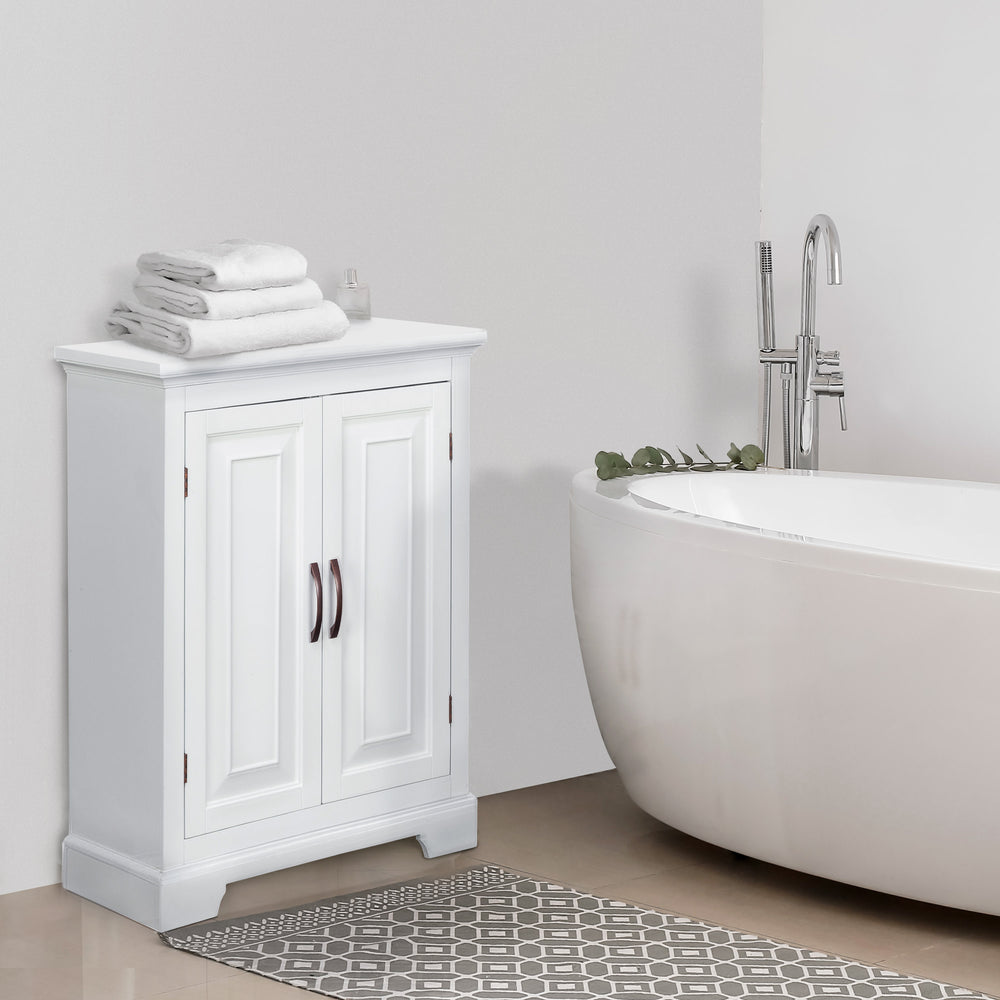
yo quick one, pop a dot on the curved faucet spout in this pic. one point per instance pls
(818, 224)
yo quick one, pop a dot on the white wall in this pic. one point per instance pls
(580, 179)
(883, 115)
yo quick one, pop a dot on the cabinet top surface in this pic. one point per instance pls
(377, 339)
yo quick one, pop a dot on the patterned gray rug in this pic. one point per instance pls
(490, 933)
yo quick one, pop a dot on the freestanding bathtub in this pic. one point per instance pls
(803, 667)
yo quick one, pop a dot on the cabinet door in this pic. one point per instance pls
(252, 675)
(387, 522)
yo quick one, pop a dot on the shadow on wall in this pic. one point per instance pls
(526, 666)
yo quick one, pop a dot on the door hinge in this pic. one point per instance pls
(185, 482)
(185, 769)
(449, 710)
(450, 451)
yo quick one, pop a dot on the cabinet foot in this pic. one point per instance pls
(137, 891)
(456, 830)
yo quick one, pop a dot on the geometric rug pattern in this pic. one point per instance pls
(491, 934)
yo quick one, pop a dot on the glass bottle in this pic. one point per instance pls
(354, 297)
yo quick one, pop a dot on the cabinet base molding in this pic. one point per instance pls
(187, 893)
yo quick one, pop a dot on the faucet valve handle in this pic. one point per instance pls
(828, 384)
(832, 384)
(828, 357)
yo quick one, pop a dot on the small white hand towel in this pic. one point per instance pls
(228, 265)
(200, 303)
(199, 338)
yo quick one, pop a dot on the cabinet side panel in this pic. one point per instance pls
(115, 512)
(460, 529)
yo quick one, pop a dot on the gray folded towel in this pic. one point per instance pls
(199, 338)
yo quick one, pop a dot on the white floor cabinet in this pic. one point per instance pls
(268, 610)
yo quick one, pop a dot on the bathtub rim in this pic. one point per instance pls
(611, 499)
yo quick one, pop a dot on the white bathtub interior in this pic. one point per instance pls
(935, 519)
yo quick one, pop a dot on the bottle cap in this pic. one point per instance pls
(351, 277)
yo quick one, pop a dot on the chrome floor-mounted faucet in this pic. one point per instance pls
(802, 382)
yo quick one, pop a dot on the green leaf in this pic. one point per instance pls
(655, 458)
(609, 464)
(669, 458)
(605, 465)
(750, 457)
(703, 467)
(705, 454)
(641, 457)
(686, 459)
(735, 452)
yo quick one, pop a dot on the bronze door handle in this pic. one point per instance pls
(318, 588)
(338, 585)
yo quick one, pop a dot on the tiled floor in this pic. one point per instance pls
(583, 832)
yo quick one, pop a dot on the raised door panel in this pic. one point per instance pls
(387, 517)
(252, 674)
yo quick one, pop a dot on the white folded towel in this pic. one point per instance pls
(199, 338)
(227, 265)
(188, 300)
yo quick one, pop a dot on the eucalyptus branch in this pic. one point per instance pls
(612, 464)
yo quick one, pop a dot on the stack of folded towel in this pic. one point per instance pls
(231, 296)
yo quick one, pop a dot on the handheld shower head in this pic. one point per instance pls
(764, 249)
(765, 297)
(765, 337)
